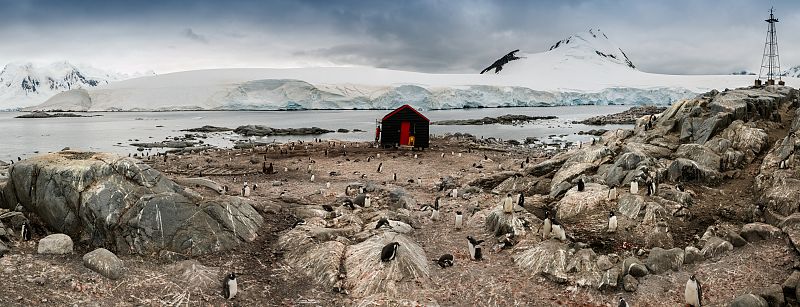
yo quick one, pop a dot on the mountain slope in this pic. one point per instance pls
(27, 84)
(586, 68)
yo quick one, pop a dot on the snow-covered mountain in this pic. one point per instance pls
(28, 84)
(586, 68)
(793, 72)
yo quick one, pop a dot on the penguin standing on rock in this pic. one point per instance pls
(680, 188)
(475, 252)
(581, 185)
(380, 167)
(298, 223)
(459, 219)
(230, 287)
(547, 226)
(623, 303)
(445, 260)
(383, 222)
(558, 230)
(693, 293)
(612, 222)
(521, 200)
(389, 252)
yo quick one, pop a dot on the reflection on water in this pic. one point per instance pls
(115, 131)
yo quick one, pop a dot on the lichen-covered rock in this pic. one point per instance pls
(576, 203)
(630, 205)
(499, 223)
(634, 266)
(759, 231)
(749, 300)
(685, 170)
(630, 283)
(104, 262)
(692, 255)
(548, 258)
(716, 246)
(56, 244)
(773, 294)
(109, 200)
(367, 275)
(661, 260)
(700, 154)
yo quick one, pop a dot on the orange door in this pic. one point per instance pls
(405, 128)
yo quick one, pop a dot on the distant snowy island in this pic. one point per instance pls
(584, 69)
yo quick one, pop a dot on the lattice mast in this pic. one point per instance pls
(770, 63)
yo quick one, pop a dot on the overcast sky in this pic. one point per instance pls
(671, 36)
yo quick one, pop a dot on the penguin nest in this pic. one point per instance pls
(367, 275)
(500, 223)
(383, 300)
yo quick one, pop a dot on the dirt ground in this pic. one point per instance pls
(265, 280)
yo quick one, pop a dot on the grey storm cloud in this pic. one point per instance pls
(190, 34)
(660, 36)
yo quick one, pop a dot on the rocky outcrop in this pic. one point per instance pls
(108, 200)
(508, 119)
(259, 130)
(749, 300)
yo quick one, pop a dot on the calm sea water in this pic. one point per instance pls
(114, 132)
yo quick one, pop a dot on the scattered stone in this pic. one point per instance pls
(749, 300)
(55, 244)
(692, 255)
(661, 260)
(634, 266)
(759, 231)
(609, 279)
(104, 262)
(604, 263)
(773, 294)
(630, 283)
(277, 183)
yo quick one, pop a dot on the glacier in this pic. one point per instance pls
(585, 68)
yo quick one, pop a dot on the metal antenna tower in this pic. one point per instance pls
(770, 63)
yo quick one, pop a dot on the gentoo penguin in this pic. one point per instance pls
(285, 169)
(459, 219)
(394, 177)
(454, 193)
(369, 159)
(693, 293)
(634, 187)
(264, 167)
(378, 156)
(623, 303)
(459, 155)
(521, 200)
(782, 165)
(527, 160)
(25, 233)
(298, 223)
(445, 260)
(312, 178)
(508, 204)
(474, 248)
(581, 185)
(367, 201)
(547, 226)
(612, 222)
(435, 214)
(246, 190)
(327, 208)
(383, 222)
(380, 167)
(389, 252)
(230, 286)
(558, 230)
(442, 155)
(349, 204)
(328, 185)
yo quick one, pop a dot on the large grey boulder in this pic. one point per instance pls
(548, 258)
(688, 170)
(55, 244)
(661, 260)
(716, 246)
(104, 262)
(759, 231)
(399, 198)
(749, 300)
(577, 203)
(631, 205)
(700, 154)
(108, 200)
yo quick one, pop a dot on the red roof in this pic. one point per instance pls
(405, 107)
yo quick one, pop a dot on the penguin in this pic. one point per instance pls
(25, 233)
(312, 178)
(679, 187)
(508, 204)
(230, 286)
(459, 219)
(349, 204)
(474, 248)
(389, 252)
(547, 226)
(581, 185)
(782, 165)
(328, 185)
(285, 169)
(612, 222)
(382, 222)
(435, 214)
(649, 187)
(327, 208)
(380, 167)
(558, 230)
(369, 159)
(459, 155)
(693, 293)
(415, 156)
(367, 201)
(264, 167)
(246, 190)
(445, 260)
(442, 155)
(378, 156)
(19, 159)
(622, 303)
(521, 201)
(454, 193)
(298, 223)
(634, 187)
(394, 177)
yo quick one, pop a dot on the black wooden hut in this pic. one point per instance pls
(405, 127)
